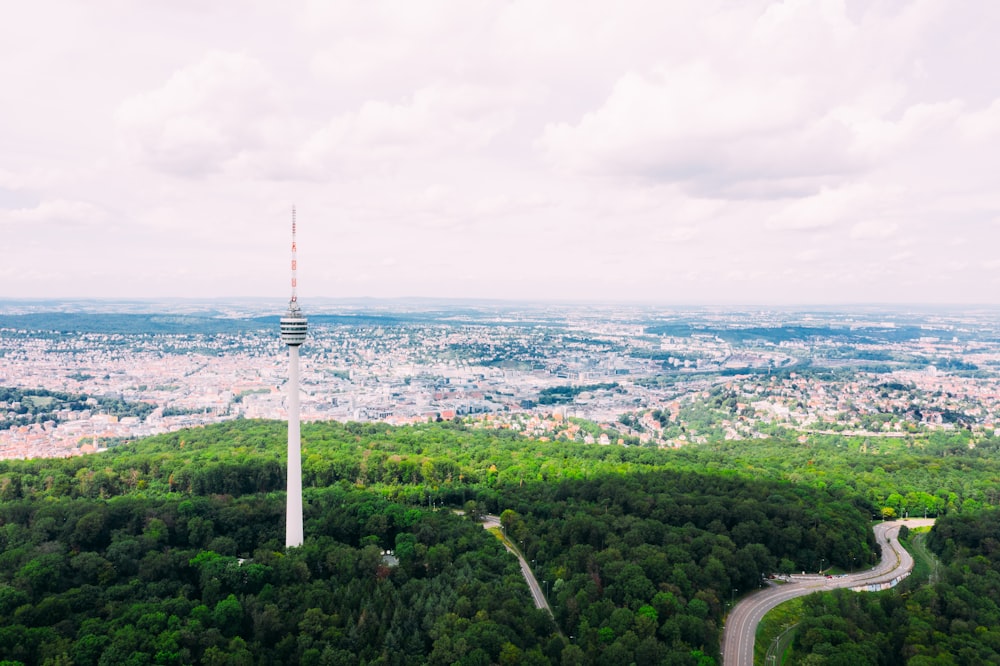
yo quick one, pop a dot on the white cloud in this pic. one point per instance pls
(206, 116)
(828, 208)
(678, 124)
(882, 138)
(905, 256)
(679, 234)
(982, 125)
(55, 213)
(361, 42)
(440, 120)
(873, 229)
(668, 142)
(783, 101)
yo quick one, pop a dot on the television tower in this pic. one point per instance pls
(293, 334)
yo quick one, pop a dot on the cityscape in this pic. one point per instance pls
(648, 333)
(627, 375)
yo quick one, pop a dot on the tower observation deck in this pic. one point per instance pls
(293, 326)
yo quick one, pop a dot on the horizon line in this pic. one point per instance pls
(508, 300)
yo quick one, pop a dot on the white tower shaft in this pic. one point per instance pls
(293, 516)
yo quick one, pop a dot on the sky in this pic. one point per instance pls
(669, 151)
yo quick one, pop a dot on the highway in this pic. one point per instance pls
(741, 625)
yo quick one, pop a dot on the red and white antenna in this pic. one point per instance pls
(295, 266)
(293, 324)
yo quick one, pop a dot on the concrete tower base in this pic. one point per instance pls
(293, 515)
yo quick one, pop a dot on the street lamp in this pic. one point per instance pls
(821, 561)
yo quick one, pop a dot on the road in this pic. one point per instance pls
(741, 625)
(490, 522)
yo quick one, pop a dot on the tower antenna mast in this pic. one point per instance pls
(295, 263)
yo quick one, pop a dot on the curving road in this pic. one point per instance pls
(741, 625)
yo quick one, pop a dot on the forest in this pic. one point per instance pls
(170, 550)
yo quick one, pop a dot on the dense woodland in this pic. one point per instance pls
(169, 580)
(170, 550)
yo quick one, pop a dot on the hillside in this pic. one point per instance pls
(169, 550)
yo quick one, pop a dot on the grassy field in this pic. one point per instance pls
(776, 625)
(38, 401)
(925, 565)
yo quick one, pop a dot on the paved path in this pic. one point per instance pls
(741, 625)
(491, 522)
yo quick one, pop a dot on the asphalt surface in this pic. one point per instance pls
(741, 626)
(536, 590)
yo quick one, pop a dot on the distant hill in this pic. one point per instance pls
(174, 324)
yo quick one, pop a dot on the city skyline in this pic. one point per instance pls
(690, 152)
(527, 369)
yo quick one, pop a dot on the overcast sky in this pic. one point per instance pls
(712, 151)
